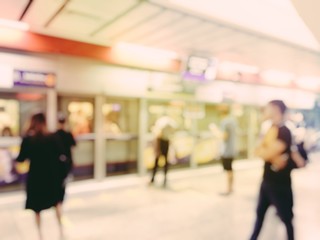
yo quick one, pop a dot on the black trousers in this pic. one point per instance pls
(280, 197)
(163, 151)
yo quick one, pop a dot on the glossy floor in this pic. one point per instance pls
(191, 208)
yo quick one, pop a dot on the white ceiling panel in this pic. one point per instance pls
(176, 28)
(103, 9)
(157, 23)
(229, 42)
(204, 42)
(203, 28)
(41, 11)
(130, 20)
(12, 9)
(268, 17)
(75, 22)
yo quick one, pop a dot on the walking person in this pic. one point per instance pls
(43, 182)
(229, 136)
(164, 130)
(66, 142)
(276, 188)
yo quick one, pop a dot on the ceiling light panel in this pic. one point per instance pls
(176, 31)
(75, 22)
(170, 31)
(231, 41)
(203, 37)
(127, 22)
(216, 34)
(203, 28)
(103, 9)
(155, 24)
(12, 9)
(40, 12)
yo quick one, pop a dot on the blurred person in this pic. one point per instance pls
(44, 183)
(6, 160)
(229, 136)
(81, 122)
(163, 130)
(6, 132)
(6, 166)
(66, 142)
(275, 189)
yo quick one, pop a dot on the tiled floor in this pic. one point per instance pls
(191, 208)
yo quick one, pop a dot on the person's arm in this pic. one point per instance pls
(72, 140)
(297, 158)
(218, 133)
(23, 154)
(272, 151)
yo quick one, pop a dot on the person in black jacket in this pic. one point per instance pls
(67, 142)
(275, 189)
(43, 182)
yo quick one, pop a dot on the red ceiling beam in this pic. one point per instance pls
(32, 42)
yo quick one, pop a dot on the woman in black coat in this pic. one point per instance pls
(43, 182)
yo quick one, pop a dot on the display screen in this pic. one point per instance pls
(200, 69)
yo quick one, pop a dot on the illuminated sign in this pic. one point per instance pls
(200, 69)
(34, 79)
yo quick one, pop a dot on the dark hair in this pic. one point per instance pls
(279, 104)
(38, 125)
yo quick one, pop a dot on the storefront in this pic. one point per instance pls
(111, 111)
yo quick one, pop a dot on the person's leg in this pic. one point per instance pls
(263, 205)
(155, 168)
(166, 168)
(38, 223)
(227, 166)
(59, 217)
(164, 148)
(230, 181)
(282, 199)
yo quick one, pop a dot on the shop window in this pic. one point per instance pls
(121, 133)
(80, 117)
(80, 114)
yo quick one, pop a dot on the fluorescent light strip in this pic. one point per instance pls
(14, 24)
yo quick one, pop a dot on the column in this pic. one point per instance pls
(142, 140)
(52, 110)
(194, 131)
(99, 141)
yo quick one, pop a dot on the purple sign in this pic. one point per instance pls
(199, 69)
(34, 79)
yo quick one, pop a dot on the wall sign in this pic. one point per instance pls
(34, 79)
(200, 69)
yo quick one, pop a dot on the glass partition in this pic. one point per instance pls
(80, 115)
(15, 112)
(120, 128)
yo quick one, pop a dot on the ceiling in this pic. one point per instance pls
(308, 10)
(184, 29)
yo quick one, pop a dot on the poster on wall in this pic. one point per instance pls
(34, 79)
